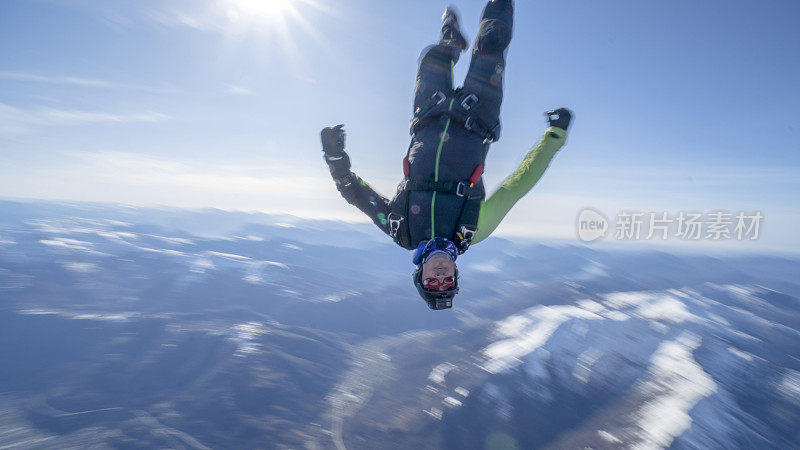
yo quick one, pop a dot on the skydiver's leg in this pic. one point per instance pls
(436, 62)
(487, 67)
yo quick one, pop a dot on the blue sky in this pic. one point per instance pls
(679, 105)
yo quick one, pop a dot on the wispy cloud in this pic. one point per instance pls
(75, 81)
(60, 116)
(79, 81)
(173, 18)
(140, 179)
(15, 120)
(238, 90)
(131, 168)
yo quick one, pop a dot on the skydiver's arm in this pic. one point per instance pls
(358, 193)
(352, 188)
(495, 207)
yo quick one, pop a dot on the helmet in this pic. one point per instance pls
(435, 299)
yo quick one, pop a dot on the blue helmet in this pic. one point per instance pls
(435, 299)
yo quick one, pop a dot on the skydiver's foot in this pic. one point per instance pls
(451, 31)
(495, 29)
(498, 9)
(506, 3)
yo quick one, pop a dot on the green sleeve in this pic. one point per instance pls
(495, 207)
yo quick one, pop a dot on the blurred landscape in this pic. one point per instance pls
(134, 327)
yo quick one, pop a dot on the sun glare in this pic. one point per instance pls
(283, 25)
(262, 10)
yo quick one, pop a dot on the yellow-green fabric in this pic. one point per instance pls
(495, 207)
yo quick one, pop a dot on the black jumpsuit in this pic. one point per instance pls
(443, 149)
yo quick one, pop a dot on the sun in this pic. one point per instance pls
(285, 26)
(271, 17)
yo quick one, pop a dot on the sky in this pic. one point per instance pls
(679, 106)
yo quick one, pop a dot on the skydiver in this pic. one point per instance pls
(440, 208)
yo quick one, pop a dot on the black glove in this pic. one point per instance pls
(559, 118)
(333, 140)
(333, 147)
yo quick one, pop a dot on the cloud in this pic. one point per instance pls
(238, 90)
(15, 120)
(171, 18)
(125, 177)
(60, 116)
(134, 169)
(75, 81)
(80, 82)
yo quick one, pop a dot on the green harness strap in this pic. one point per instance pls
(436, 169)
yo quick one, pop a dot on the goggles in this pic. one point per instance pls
(433, 284)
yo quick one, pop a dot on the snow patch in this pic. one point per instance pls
(163, 251)
(616, 315)
(451, 402)
(172, 240)
(253, 279)
(71, 244)
(38, 312)
(718, 319)
(657, 306)
(608, 437)
(591, 306)
(256, 276)
(439, 372)
(337, 297)
(245, 335)
(520, 284)
(117, 317)
(790, 386)
(118, 223)
(523, 333)
(112, 317)
(666, 309)
(81, 267)
(436, 413)
(116, 235)
(202, 265)
(493, 266)
(229, 256)
(673, 386)
(741, 354)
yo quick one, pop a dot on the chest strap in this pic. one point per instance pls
(459, 188)
(462, 112)
(468, 218)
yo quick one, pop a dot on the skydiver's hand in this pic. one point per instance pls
(333, 146)
(333, 140)
(559, 118)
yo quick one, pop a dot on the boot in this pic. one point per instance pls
(451, 31)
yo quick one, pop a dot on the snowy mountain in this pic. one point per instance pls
(136, 327)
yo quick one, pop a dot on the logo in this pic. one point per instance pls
(592, 225)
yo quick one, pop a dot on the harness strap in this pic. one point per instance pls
(461, 112)
(468, 217)
(398, 224)
(459, 188)
(468, 224)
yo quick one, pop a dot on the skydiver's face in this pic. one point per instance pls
(439, 267)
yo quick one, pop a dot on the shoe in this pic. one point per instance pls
(451, 31)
